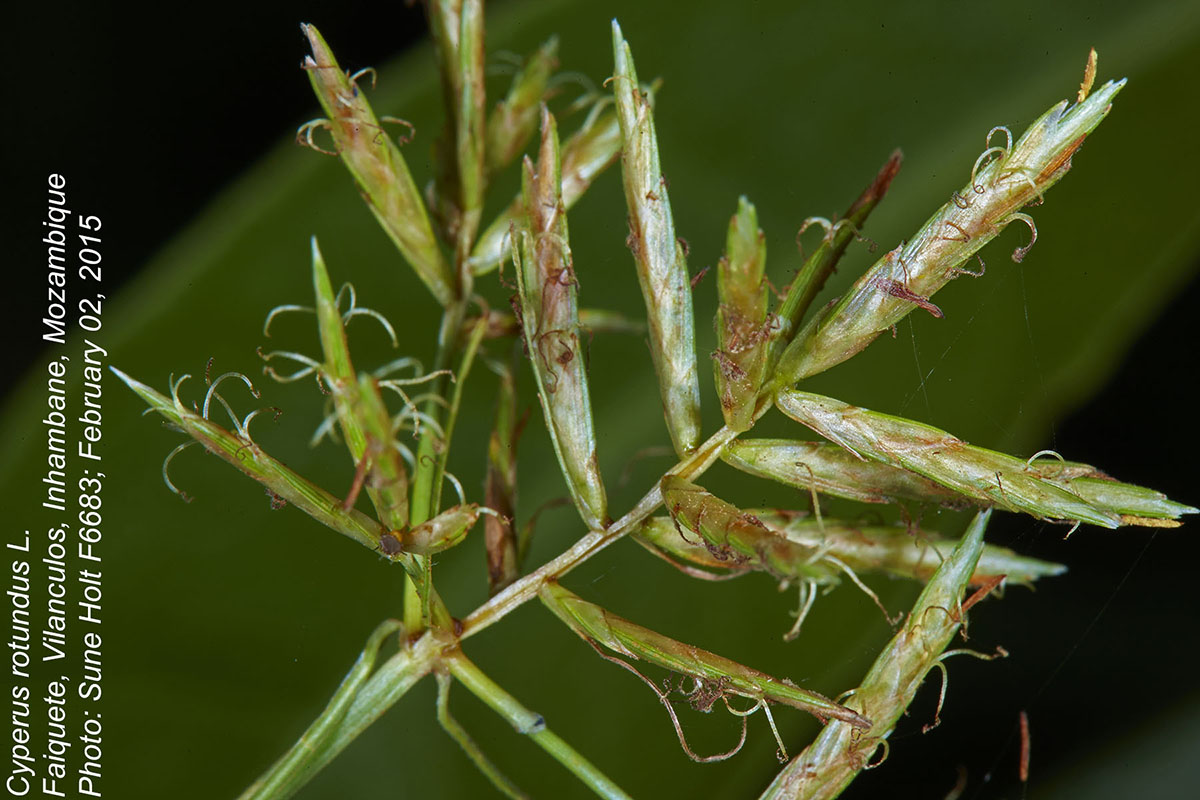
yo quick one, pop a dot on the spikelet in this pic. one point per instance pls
(983, 476)
(514, 119)
(548, 287)
(902, 552)
(734, 536)
(254, 462)
(588, 152)
(363, 417)
(831, 762)
(457, 28)
(377, 166)
(835, 471)
(661, 265)
(800, 548)
(630, 640)
(743, 332)
(906, 277)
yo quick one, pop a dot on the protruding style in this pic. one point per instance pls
(984, 477)
(631, 640)
(378, 168)
(840, 752)
(1005, 179)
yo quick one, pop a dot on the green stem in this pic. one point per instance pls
(531, 724)
(459, 734)
(381, 691)
(460, 380)
(426, 480)
(303, 760)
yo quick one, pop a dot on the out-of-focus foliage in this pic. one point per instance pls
(229, 624)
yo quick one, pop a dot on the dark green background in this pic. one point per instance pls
(228, 624)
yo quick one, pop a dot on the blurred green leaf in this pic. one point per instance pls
(229, 625)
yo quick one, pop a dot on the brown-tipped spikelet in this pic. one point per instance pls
(743, 330)
(588, 152)
(377, 166)
(628, 639)
(659, 256)
(983, 476)
(840, 752)
(820, 264)
(548, 288)
(906, 277)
